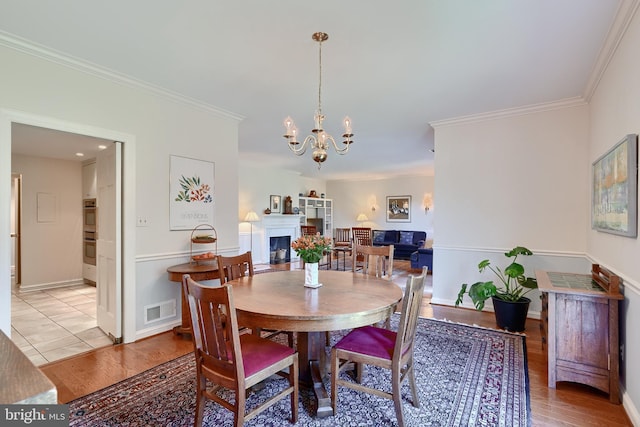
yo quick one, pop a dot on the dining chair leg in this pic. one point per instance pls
(293, 382)
(200, 400)
(396, 377)
(412, 384)
(241, 400)
(334, 380)
(290, 339)
(358, 371)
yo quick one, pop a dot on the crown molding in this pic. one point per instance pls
(28, 47)
(510, 112)
(625, 13)
(623, 17)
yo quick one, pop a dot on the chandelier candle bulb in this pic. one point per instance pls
(289, 126)
(347, 126)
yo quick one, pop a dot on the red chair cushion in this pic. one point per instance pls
(258, 353)
(371, 341)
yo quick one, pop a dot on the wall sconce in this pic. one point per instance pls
(373, 202)
(427, 202)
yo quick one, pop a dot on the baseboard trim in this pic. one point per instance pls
(157, 329)
(50, 285)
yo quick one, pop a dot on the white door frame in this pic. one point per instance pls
(7, 117)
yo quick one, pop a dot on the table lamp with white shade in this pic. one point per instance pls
(362, 218)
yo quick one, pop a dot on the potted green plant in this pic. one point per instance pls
(509, 301)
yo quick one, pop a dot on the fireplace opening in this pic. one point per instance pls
(279, 249)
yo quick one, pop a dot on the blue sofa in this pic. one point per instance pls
(404, 242)
(422, 257)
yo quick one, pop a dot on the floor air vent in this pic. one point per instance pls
(159, 311)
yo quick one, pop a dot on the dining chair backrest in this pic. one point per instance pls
(236, 266)
(411, 305)
(341, 237)
(216, 338)
(361, 235)
(308, 230)
(377, 261)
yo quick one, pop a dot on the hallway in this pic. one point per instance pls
(55, 323)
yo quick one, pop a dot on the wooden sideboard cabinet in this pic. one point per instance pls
(579, 325)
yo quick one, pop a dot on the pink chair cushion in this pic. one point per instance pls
(258, 353)
(371, 341)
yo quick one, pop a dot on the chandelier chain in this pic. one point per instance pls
(320, 78)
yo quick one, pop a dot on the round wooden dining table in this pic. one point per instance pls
(280, 301)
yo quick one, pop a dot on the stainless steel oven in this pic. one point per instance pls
(89, 214)
(89, 223)
(89, 248)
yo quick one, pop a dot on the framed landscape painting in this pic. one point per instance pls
(614, 202)
(398, 208)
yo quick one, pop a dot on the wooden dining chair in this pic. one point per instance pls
(341, 237)
(377, 261)
(235, 267)
(361, 236)
(229, 360)
(386, 349)
(308, 230)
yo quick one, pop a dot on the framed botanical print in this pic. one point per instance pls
(191, 201)
(398, 208)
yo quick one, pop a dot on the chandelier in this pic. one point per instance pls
(319, 140)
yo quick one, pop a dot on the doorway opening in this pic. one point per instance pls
(64, 307)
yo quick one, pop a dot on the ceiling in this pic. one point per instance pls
(393, 67)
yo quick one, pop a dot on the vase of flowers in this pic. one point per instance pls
(311, 248)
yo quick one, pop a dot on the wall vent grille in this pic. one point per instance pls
(159, 311)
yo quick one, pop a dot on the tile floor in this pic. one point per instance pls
(56, 323)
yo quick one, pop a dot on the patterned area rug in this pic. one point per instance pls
(466, 376)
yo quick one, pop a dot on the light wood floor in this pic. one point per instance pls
(568, 405)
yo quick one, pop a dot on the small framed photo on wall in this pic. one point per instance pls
(398, 208)
(275, 204)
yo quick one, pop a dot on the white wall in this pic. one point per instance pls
(508, 180)
(156, 125)
(51, 251)
(614, 111)
(257, 182)
(354, 197)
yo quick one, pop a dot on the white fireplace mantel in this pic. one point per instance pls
(279, 225)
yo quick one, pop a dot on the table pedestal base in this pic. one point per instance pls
(181, 330)
(198, 272)
(313, 367)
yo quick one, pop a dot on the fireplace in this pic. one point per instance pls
(279, 249)
(277, 227)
